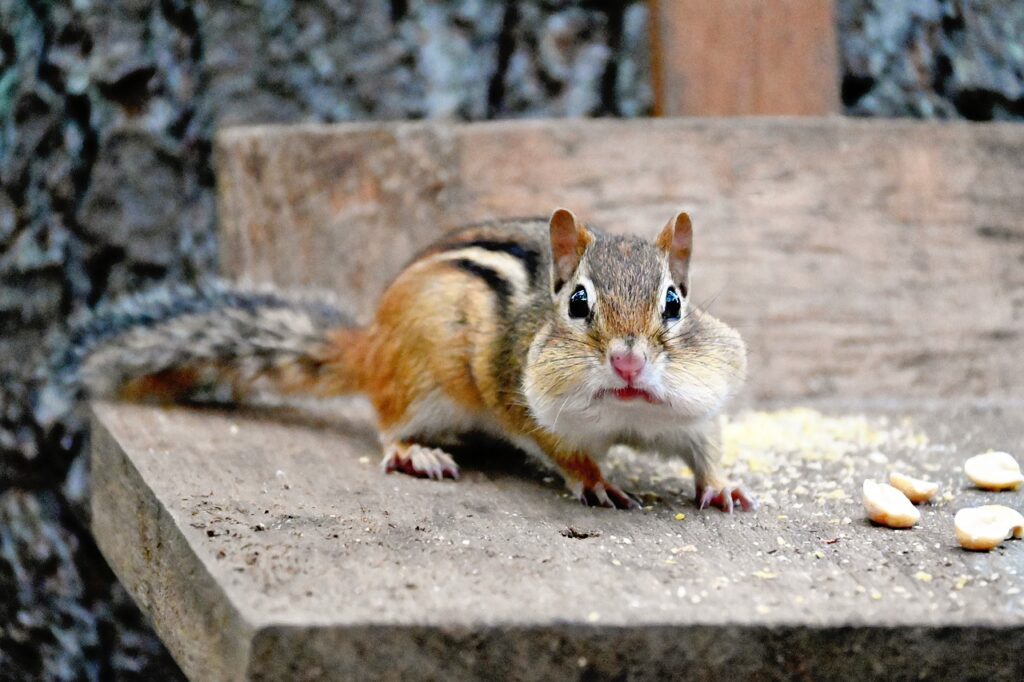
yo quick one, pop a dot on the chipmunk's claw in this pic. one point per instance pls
(604, 494)
(724, 498)
(420, 461)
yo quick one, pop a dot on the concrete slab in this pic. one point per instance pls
(268, 545)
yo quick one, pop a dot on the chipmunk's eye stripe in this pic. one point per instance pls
(673, 305)
(579, 305)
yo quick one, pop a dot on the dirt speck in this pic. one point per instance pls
(577, 534)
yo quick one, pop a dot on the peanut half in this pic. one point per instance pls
(985, 528)
(994, 471)
(916, 489)
(887, 506)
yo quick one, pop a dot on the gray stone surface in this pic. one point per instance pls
(933, 58)
(268, 545)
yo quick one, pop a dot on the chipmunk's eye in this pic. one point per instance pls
(579, 306)
(673, 305)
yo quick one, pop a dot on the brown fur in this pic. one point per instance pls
(474, 331)
(162, 387)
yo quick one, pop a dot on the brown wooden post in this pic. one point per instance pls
(744, 57)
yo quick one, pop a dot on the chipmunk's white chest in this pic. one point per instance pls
(437, 418)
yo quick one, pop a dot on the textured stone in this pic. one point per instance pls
(933, 58)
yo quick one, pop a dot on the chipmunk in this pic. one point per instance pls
(559, 339)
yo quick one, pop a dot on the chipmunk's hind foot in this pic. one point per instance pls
(420, 461)
(604, 494)
(725, 497)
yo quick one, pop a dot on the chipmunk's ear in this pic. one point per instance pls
(676, 240)
(569, 239)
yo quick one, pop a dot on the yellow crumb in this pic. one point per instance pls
(765, 440)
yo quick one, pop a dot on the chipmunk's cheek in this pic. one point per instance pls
(694, 394)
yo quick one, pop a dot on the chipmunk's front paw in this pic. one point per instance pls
(603, 494)
(724, 496)
(419, 461)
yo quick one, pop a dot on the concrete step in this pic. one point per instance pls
(269, 545)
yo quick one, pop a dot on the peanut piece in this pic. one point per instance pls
(994, 471)
(916, 489)
(887, 506)
(984, 528)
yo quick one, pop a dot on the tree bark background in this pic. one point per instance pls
(107, 110)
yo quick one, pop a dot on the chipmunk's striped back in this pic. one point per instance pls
(559, 339)
(445, 340)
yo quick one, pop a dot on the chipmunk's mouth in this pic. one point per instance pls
(630, 393)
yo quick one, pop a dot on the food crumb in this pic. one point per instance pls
(923, 577)
(680, 517)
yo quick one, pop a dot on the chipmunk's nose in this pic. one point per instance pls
(627, 364)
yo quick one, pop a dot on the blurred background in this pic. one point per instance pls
(107, 112)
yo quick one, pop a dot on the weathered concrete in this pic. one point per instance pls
(859, 259)
(268, 545)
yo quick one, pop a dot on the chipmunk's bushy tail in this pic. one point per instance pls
(213, 342)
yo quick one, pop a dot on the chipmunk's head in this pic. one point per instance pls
(623, 350)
